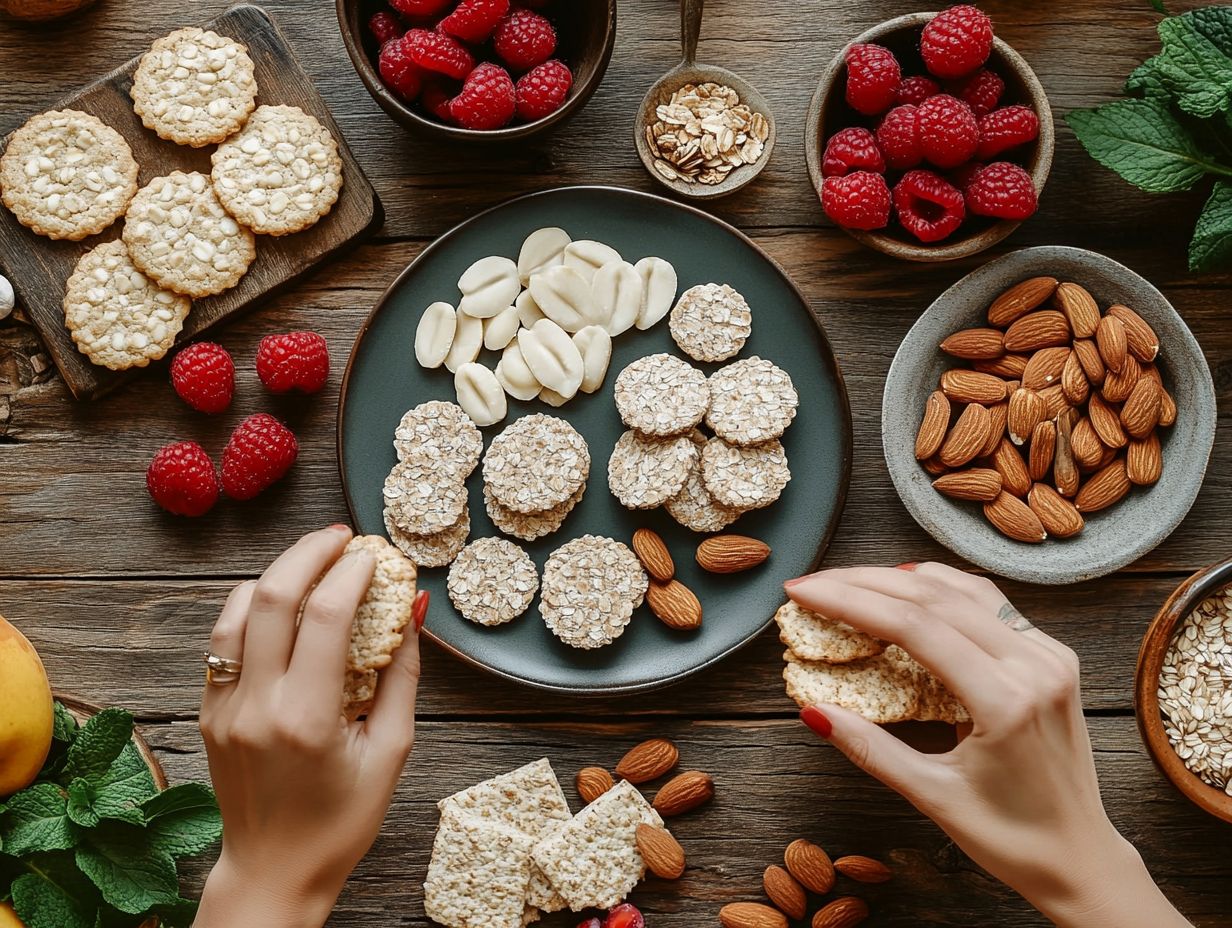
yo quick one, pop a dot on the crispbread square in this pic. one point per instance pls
(478, 874)
(386, 609)
(816, 637)
(593, 860)
(882, 689)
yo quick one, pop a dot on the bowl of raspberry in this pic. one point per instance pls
(479, 70)
(929, 138)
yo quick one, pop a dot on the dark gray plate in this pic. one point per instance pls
(383, 381)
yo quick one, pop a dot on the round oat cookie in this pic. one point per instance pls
(117, 316)
(530, 526)
(178, 233)
(694, 507)
(711, 322)
(646, 472)
(435, 550)
(424, 499)
(661, 395)
(280, 173)
(745, 478)
(751, 401)
(590, 588)
(492, 581)
(537, 463)
(442, 432)
(67, 175)
(194, 87)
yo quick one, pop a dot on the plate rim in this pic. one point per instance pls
(828, 358)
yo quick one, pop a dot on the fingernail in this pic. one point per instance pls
(909, 566)
(790, 583)
(339, 527)
(419, 610)
(815, 719)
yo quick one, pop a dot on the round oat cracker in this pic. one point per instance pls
(280, 173)
(194, 87)
(661, 395)
(424, 499)
(752, 401)
(590, 588)
(530, 526)
(435, 550)
(711, 322)
(178, 233)
(644, 473)
(745, 478)
(537, 463)
(117, 316)
(442, 432)
(67, 175)
(694, 507)
(492, 581)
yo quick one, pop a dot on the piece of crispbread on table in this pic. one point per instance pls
(386, 609)
(593, 860)
(881, 688)
(815, 637)
(478, 874)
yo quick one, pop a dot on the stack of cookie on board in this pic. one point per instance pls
(68, 175)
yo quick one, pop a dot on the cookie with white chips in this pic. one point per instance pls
(530, 526)
(435, 550)
(660, 394)
(492, 581)
(537, 463)
(711, 322)
(589, 590)
(745, 478)
(423, 499)
(440, 432)
(644, 473)
(751, 401)
(385, 610)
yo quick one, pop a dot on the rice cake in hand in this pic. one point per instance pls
(479, 873)
(386, 608)
(881, 688)
(814, 637)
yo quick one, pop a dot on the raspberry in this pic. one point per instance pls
(260, 451)
(916, 90)
(435, 98)
(981, 91)
(1003, 191)
(961, 177)
(474, 20)
(384, 26)
(873, 76)
(419, 7)
(949, 133)
(898, 137)
(542, 90)
(487, 99)
(204, 377)
(294, 361)
(397, 69)
(857, 201)
(851, 149)
(433, 51)
(928, 206)
(625, 915)
(182, 480)
(956, 41)
(1006, 128)
(524, 39)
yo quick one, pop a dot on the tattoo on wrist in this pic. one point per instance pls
(1010, 615)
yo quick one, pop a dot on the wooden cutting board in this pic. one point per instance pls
(39, 267)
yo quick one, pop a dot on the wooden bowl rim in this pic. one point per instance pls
(83, 709)
(349, 25)
(1039, 167)
(1155, 642)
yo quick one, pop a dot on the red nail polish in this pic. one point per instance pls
(910, 566)
(419, 610)
(815, 719)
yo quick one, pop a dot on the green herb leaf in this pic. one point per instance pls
(131, 876)
(99, 743)
(183, 820)
(1146, 81)
(179, 914)
(54, 894)
(1196, 59)
(36, 819)
(64, 725)
(81, 803)
(1211, 245)
(119, 793)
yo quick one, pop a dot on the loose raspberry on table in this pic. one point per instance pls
(898, 137)
(524, 39)
(873, 76)
(949, 132)
(419, 7)
(435, 98)
(916, 90)
(384, 26)
(204, 377)
(852, 149)
(487, 99)
(1003, 191)
(542, 90)
(294, 361)
(181, 479)
(1006, 128)
(956, 41)
(404, 77)
(928, 206)
(260, 451)
(474, 20)
(981, 91)
(857, 201)
(434, 51)
(625, 915)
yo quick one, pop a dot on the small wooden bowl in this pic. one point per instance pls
(82, 711)
(828, 112)
(587, 31)
(1151, 656)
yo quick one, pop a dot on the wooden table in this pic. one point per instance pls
(119, 597)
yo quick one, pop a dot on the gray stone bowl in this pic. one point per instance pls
(1112, 538)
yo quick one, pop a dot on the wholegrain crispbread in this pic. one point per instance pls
(358, 693)
(479, 873)
(814, 637)
(386, 608)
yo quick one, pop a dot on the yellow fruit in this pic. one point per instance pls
(8, 918)
(26, 716)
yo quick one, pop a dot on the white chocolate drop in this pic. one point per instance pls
(480, 394)
(564, 297)
(467, 340)
(515, 376)
(659, 285)
(434, 334)
(595, 346)
(617, 293)
(542, 249)
(500, 330)
(488, 286)
(552, 357)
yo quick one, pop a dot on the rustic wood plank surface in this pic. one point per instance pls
(119, 597)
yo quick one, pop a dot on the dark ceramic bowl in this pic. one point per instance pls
(587, 33)
(828, 112)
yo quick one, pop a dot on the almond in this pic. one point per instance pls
(1054, 398)
(1167, 408)
(1013, 469)
(593, 782)
(1106, 423)
(972, 387)
(810, 865)
(934, 426)
(967, 436)
(1044, 329)
(1085, 443)
(1092, 364)
(1140, 338)
(1014, 519)
(648, 761)
(934, 466)
(862, 869)
(999, 414)
(1009, 366)
(1140, 414)
(1020, 299)
(729, 554)
(843, 912)
(1057, 514)
(1079, 307)
(1144, 460)
(1064, 468)
(978, 483)
(652, 552)
(1043, 448)
(1027, 410)
(661, 852)
(751, 915)
(1107, 487)
(1074, 383)
(786, 894)
(975, 344)
(1119, 384)
(1112, 343)
(683, 793)
(674, 604)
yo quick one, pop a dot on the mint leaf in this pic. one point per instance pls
(183, 820)
(54, 894)
(64, 726)
(81, 803)
(131, 876)
(99, 742)
(118, 794)
(1146, 81)
(1196, 59)
(1211, 245)
(36, 819)
(179, 914)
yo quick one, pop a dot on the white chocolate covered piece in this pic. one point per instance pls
(480, 394)
(488, 286)
(595, 346)
(434, 334)
(659, 285)
(552, 357)
(467, 340)
(542, 249)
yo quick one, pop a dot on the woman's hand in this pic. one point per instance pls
(1019, 794)
(303, 792)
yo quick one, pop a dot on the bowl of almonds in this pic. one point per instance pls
(1050, 417)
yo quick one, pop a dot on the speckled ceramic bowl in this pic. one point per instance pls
(1114, 537)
